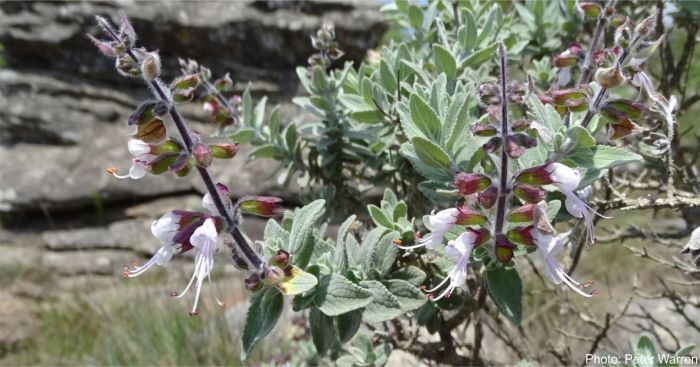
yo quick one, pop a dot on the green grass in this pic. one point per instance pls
(131, 324)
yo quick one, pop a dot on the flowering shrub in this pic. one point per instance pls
(512, 161)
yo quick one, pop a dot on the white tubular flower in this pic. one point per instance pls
(165, 230)
(204, 239)
(459, 251)
(442, 221)
(567, 180)
(142, 153)
(548, 247)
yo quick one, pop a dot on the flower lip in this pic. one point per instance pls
(548, 246)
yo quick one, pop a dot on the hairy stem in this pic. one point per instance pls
(503, 183)
(243, 247)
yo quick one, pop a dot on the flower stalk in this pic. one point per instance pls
(243, 248)
(503, 180)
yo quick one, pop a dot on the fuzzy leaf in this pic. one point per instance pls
(431, 154)
(263, 313)
(337, 295)
(322, 331)
(301, 244)
(348, 325)
(444, 61)
(424, 117)
(506, 290)
(385, 305)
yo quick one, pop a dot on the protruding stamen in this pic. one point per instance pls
(112, 170)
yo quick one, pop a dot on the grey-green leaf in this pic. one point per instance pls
(348, 324)
(506, 290)
(385, 305)
(337, 295)
(322, 331)
(379, 218)
(444, 61)
(430, 153)
(264, 311)
(300, 243)
(409, 296)
(424, 117)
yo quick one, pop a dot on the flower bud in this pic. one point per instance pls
(150, 64)
(150, 132)
(610, 77)
(202, 155)
(504, 249)
(623, 36)
(623, 129)
(562, 96)
(645, 27)
(147, 111)
(516, 92)
(280, 259)
(469, 183)
(183, 165)
(185, 82)
(224, 83)
(273, 275)
(127, 34)
(223, 150)
(106, 48)
(521, 235)
(481, 235)
(529, 194)
(489, 94)
(253, 283)
(479, 129)
(589, 10)
(488, 197)
(517, 143)
(612, 109)
(521, 124)
(468, 217)
(618, 20)
(492, 145)
(264, 206)
(238, 262)
(570, 57)
(126, 67)
(521, 214)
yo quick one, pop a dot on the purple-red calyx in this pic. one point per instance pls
(504, 249)
(470, 183)
(264, 206)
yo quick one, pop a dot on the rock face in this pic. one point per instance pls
(66, 225)
(63, 108)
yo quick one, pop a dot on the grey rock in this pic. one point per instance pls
(36, 176)
(47, 110)
(126, 235)
(104, 262)
(249, 37)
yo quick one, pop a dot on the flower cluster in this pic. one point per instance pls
(508, 209)
(156, 152)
